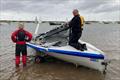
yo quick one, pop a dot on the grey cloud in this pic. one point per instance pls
(91, 4)
(57, 7)
(50, 1)
(29, 5)
(45, 5)
(95, 6)
(11, 6)
(107, 8)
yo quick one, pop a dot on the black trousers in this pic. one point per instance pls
(20, 49)
(73, 39)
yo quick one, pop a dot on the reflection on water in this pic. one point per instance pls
(104, 36)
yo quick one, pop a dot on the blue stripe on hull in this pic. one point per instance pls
(73, 53)
(80, 54)
(36, 47)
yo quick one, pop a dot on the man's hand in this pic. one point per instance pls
(66, 24)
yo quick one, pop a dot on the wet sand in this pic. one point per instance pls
(107, 39)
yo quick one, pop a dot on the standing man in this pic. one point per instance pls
(76, 30)
(20, 37)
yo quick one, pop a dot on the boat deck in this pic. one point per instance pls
(62, 39)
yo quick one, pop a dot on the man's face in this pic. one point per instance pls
(75, 12)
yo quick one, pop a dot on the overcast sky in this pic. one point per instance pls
(59, 9)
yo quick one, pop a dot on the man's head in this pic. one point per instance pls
(75, 12)
(21, 26)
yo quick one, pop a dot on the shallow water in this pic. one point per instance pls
(104, 36)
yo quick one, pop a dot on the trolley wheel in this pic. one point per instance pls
(39, 59)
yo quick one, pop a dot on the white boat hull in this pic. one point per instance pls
(87, 62)
(84, 59)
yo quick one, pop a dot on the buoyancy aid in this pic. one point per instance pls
(21, 36)
(82, 21)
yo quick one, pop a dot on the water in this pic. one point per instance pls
(104, 36)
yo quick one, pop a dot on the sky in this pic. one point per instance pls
(60, 10)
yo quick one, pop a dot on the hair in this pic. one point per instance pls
(76, 10)
(20, 25)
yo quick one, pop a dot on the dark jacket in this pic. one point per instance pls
(75, 24)
(27, 34)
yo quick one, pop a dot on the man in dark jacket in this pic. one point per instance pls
(75, 30)
(20, 37)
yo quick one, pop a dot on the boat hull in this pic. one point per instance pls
(89, 58)
(87, 62)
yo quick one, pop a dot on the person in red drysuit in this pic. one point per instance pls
(20, 37)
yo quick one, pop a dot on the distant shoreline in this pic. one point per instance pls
(57, 22)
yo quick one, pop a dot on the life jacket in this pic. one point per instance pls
(82, 21)
(21, 36)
